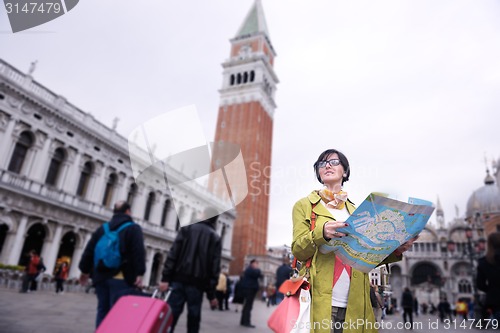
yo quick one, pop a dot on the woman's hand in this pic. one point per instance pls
(330, 229)
(405, 246)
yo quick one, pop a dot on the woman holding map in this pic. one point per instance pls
(340, 295)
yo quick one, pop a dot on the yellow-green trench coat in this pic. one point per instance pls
(304, 246)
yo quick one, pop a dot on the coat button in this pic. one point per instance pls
(355, 274)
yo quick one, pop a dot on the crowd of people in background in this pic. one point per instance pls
(34, 270)
(227, 293)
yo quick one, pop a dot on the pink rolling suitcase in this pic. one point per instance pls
(138, 314)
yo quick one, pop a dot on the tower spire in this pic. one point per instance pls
(254, 23)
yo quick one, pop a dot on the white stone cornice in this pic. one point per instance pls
(84, 123)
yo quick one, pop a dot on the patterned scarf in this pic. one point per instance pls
(333, 200)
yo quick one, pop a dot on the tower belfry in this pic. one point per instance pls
(245, 117)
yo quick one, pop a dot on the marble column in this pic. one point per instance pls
(7, 144)
(51, 257)
(149, 265)
(41, 161)
(171, 220)
(19, 241)
(10, 240)
(140, 203)
(156, 209)
(74, 272)
(100, 184)
(122, 187)
(71, 175)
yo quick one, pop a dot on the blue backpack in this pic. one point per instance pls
(107, 250)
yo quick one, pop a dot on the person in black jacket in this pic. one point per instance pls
(111, 284)
(282, 274)
(488, 276)
(250, 285)
(407, 303)
(191, 268)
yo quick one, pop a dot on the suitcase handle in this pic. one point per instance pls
(167, 294)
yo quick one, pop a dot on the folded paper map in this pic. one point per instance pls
(376, 228)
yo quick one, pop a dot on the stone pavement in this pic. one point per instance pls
(74, 312)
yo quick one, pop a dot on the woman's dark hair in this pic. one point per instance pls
(343, 160)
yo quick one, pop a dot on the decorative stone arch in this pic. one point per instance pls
(79, 236)
(9, 221)
(22, 149)
(431, 234)
(35, 238)
(426, 282)
(21, 128)
(58, 159)
(68, 245)
(49, 232)
(397, 282)
(425, 271)
(86, 171)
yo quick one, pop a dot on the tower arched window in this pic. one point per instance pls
(83, 183)
(231, 80)
(20, 151)
(55, 166)
(132, 193)
(252, 76)
(245, 77)
(149, 205)
(238, 78)
(108, 191)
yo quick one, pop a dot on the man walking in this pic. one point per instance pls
(407, 304)
(31, 272)
(191, 268)
(250, 285)
(282, 274)
(112, 283)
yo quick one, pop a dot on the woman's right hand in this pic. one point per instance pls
(330, 229)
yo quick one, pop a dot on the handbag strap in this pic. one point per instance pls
(313, 225)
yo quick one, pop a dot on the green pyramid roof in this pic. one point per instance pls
(254, 22)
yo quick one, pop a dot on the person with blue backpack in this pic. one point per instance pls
(115, 257)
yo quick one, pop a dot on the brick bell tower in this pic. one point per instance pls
(246, 118)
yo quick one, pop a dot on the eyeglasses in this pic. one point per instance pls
(332, 162)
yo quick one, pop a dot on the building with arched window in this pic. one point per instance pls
(443, 261)
(60, 173)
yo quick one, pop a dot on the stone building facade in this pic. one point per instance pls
(443, 261)
(61, 171)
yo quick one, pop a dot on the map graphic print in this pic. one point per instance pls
(376, 228)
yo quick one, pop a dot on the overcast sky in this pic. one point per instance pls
(409, 90)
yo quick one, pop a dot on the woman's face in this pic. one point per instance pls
(331, 174)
